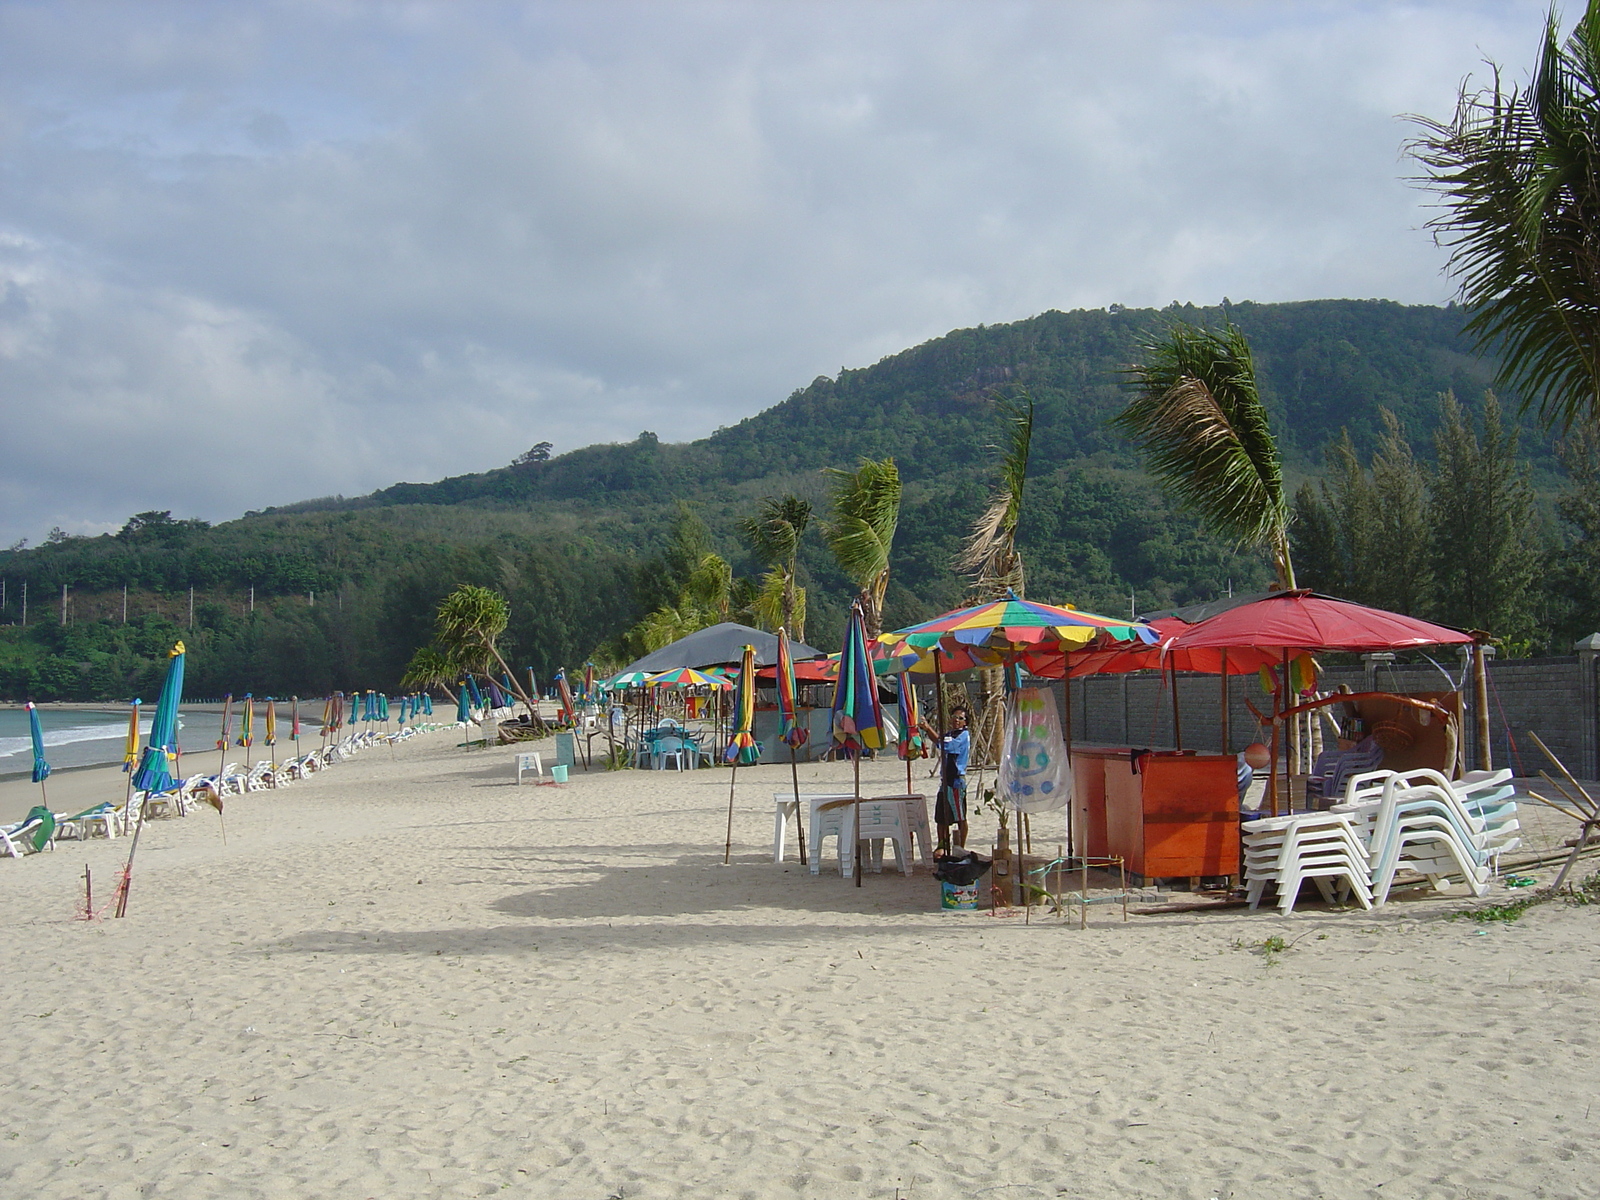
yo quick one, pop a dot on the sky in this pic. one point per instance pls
(253, 253)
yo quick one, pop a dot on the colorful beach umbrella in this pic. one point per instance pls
(294, 718)
(41, 769)
(247, 721)
(999, 628)
(588, 683)
(272, 722)
(687, 677)
(568, 708)
(857, 719)
(161, 750)
(130, 750)
(789, 728)
(742, 747)
(227, 724)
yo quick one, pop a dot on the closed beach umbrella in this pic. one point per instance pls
(161, 751)
(463, 705)
(912, 744)
(130, 751)
(497, 698)
(247, 723)
(272, 721)
(41, 769)
(477, 696)
(742, 746)
(226, 735)
(383, 706)
(427, 705)
(794, 734)
(565, 689)
(857, 720)
(588, 683)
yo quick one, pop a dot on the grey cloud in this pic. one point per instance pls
(419, 236)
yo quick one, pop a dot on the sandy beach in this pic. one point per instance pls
(409, 977)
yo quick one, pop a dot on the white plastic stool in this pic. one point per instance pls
(529, 762)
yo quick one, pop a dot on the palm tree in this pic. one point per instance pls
(1200, 421)
(774, 534)
(866, 510)
(1519, 176)
(989, 554)
(468, 625)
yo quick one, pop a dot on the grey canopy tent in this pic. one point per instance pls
(718, 645)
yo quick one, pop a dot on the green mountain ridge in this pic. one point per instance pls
(345, 587)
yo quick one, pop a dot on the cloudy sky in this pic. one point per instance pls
(252, 253)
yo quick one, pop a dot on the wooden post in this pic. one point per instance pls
(1480, 700)
(1177, 727)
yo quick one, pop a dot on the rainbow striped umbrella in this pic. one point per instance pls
(687, 677)
(857, 720)
(1014, 626)
(742, 749)
(272, 722)
(247, 720)
(790, 730)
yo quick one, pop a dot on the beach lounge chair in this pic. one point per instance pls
(1333, 767)
(102, 818)
(33, 833)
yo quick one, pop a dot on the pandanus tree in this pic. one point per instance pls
(1198, 416)
(467, 628)
(774, 534)
(428, 668)
(1518, 174)
(866, 510)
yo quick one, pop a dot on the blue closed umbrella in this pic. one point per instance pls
(464, 705)
(161, 751)
(427, 705)
(41, 769)
(477, 696)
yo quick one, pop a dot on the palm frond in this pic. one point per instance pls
(866, 511)
(1518, 174)
(774, 533)
(1200, 421)
(989, 552)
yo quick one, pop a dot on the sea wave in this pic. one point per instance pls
(10, 746)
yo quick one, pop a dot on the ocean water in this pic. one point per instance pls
(91, 737)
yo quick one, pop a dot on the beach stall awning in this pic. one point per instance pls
(1307, 621)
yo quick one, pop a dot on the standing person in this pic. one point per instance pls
(951, 806)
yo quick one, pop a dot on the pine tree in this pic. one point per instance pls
(1480, 505)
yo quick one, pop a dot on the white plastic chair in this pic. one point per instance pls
(529, 762)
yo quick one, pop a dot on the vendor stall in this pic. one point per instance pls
(1166, 814)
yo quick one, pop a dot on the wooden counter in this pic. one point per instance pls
(1177, 818)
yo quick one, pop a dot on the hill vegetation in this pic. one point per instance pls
(582, 543)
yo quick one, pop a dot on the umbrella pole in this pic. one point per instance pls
(856, 831)
(799, 817)
(1177, 726)
(1225, 749)
(1278, 699)
(1072, 775)
(727, 846)
(938, 688)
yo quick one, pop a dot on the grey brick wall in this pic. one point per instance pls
(1555, 697)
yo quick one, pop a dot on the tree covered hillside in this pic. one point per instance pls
(582, 542)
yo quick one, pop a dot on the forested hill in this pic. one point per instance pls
(343, 589)
(1323, 364)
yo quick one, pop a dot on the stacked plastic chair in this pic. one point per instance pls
(1418, 820)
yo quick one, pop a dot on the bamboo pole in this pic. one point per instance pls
(1177, 726)
(1480, 701)
(1225, 723)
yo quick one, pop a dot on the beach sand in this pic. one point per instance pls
(408, 977)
